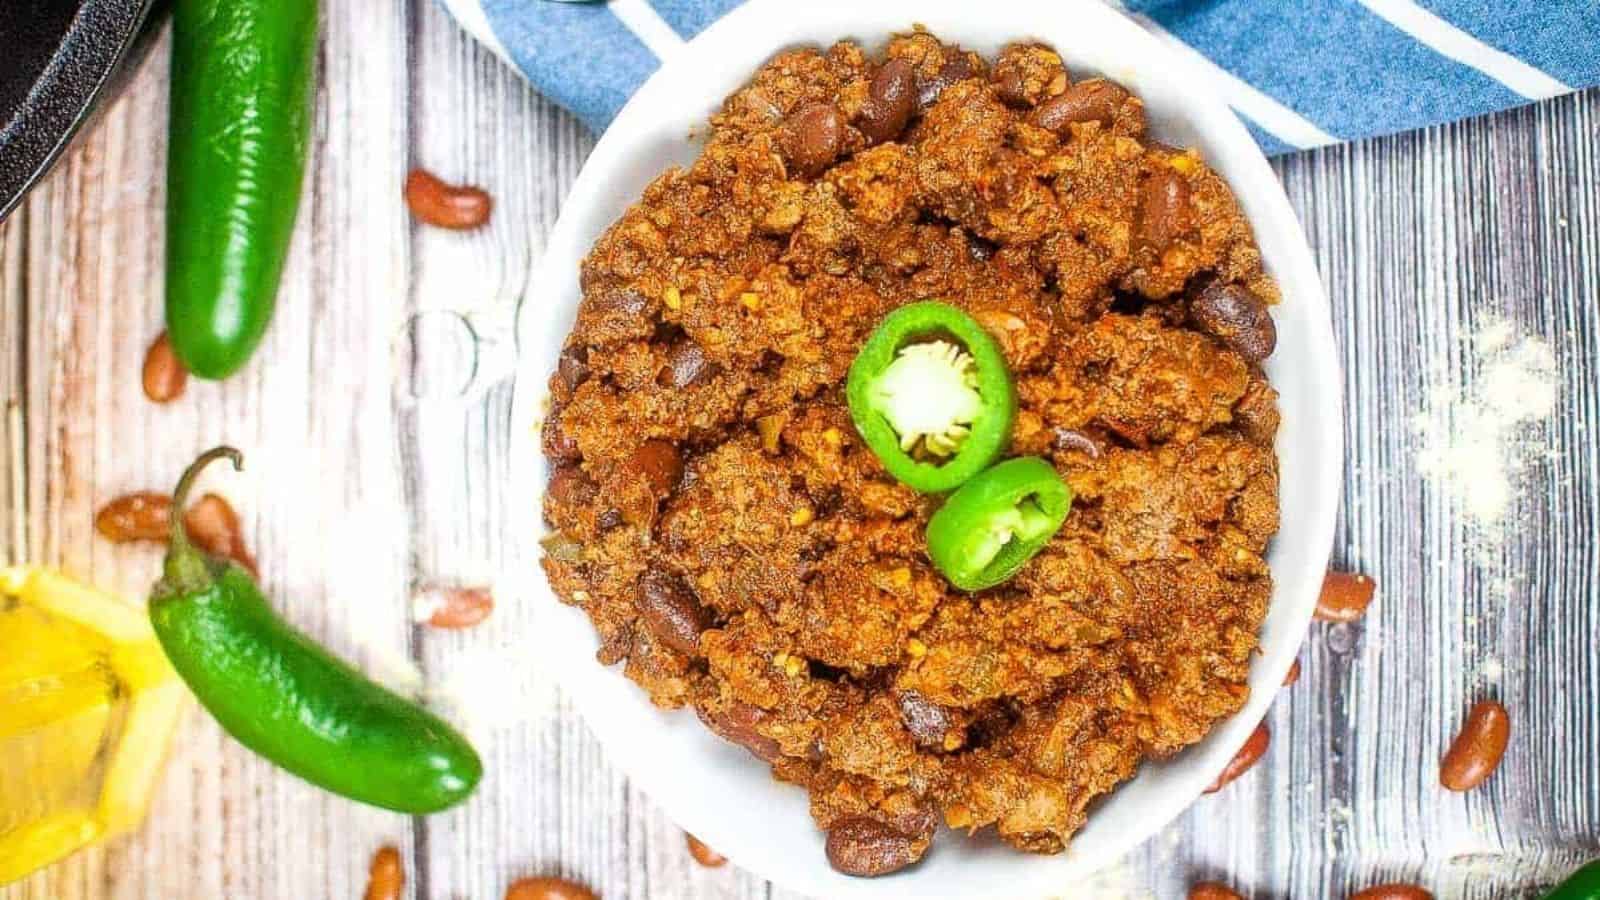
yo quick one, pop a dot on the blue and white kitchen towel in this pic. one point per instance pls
(1301, 73)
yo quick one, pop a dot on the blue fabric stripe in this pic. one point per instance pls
(1560, 38)
(1334, 62)
(579, 54)
(690, 17)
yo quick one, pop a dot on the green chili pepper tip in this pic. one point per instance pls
(1584, 884)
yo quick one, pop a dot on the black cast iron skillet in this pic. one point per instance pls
(60, 60)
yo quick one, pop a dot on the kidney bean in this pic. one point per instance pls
(386, 877)
(1478, 748)
(570, 489)
(1213, 890)
(573, 366)
(891, 99)
(1254, 747)
(1165, 211)
(687, 365)
(213, 525)
(928, 722)
(559, 444)
(1256, 414)
(442, 205)
(1075, 440)
(1392, 892)
(453, 607)
(548, 889)
(141, 516)
(1095, 100)
(736, 723)
(671, 611)
(649, 475)
(164, 376)
(1294, 674)
(1236, 318)
(866, 847)
(957, 67)
(1345, 597)
(702, 854)
(812, 137)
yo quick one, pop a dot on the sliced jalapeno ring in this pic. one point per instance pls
(931, 395)
(997, 521)
(1583, 884)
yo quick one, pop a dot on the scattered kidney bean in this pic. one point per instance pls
(812, 137)
(1256, 413)
(142, 516)
(866, 847)
(1236, 318)
(453, 607)
(1345, 597)
(1165, 211)
(1254, 747)
(671, 611)
(386, 877)
(1213, 890)
(891, 99)
(214, 527)
(702, 854)
(164, 376)
(1392, 892)
(443, 205)
(1294, 674)
(548, 889)
(1478, 748)
(1095, 100)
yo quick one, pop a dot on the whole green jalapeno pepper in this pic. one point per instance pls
(282, 695)
(990, 527)
(239, 133)
(931, 395)
(1583, 884)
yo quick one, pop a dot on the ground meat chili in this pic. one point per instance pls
(742, 551)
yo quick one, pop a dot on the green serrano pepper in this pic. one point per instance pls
(282, 695)
(240, 124)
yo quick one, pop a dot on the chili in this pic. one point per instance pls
(282, 695)
(996, 522)
(930, 394)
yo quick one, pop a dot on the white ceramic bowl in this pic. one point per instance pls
(718, 791)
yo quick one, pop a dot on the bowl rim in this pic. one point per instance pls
(589, 683)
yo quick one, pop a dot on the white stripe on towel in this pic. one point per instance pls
(1463, 47)
(648, 26)
(1289, 126)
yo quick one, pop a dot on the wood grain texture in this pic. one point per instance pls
(378, 413)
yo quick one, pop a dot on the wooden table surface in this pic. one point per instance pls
(376, 417)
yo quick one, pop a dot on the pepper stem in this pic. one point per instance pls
(186, 566)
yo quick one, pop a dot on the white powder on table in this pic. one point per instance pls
(1478, 435)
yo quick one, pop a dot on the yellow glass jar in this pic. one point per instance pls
(88, 705)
